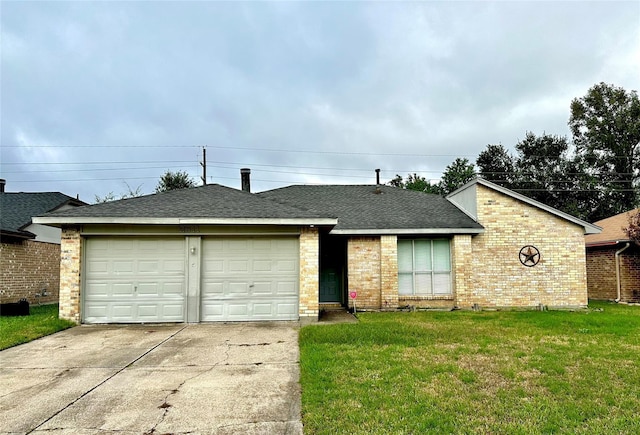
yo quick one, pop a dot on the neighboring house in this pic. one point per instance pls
(213, 253)
(613, 261)
(30, 252)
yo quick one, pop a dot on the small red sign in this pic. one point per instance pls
(353, 295)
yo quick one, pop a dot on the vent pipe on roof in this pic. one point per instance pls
(378, 190)
(245, 177)
(3, 183)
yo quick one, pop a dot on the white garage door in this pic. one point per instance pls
(134, 280)
(249, 279)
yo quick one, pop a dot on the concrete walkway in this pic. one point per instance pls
(154, 379)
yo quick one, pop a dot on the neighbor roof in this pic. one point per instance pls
(210, 204)
(370, 209)
(17, 209)
(612, 230)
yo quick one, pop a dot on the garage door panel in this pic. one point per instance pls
(268, 288)
(134, 279)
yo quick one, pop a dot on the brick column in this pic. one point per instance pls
(309, 273)
(389, 272)
(461, 269)
(70, 257)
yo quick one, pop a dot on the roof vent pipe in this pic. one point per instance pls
(245, 177)
(3, 183)
(378, 177)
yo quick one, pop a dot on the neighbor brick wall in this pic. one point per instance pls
(70, 280)
(309, 272)
(500, 280)
(28, 270)
(630, 275)
(601, 273)
(363, 264)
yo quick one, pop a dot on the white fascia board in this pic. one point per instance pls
(392, 231)
(55, 220)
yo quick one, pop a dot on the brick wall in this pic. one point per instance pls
(500, 280)
(309, 272)
(70, 257)
(630, 275)
(601, 274)
(363, 263)
(389, 272)
(461, 264)
(29, 270)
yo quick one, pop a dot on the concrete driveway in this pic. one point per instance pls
(154, 379)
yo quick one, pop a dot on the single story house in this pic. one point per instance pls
(30, 252)
(214, 253)
(613, 261)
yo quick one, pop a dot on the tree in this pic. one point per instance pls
(496, 165)
(633, 230)
(130, 193)
(174, 180)
(542, 170)
(415, 182)
(458, 173)
(605, 125)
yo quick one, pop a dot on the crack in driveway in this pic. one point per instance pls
(104, 381)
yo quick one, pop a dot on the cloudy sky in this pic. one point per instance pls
(96, 96)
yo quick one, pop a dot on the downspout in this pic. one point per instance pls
(617, 256)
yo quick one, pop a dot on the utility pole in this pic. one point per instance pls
(203, 163)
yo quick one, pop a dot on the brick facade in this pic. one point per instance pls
(30, 270)
(70, 279)
(363, 266)
(309, 273)
(601, 273)
(498, 278)
(389, 271)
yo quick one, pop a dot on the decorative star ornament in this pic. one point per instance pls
(529, 256)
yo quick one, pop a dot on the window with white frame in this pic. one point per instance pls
(424, 267)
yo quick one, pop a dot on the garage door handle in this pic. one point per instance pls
(135, 288)
(251, 285)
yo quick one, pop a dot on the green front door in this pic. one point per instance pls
(330, 285)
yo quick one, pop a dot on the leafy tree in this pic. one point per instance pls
(633, 230)
(415, 182)
(542, 169)
(496, 165)
(174, 180)
(458, 173)
(605, 125)
(130, 193)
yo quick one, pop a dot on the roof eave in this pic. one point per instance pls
(25, 235)
(405, 231)
(607, 243)
(60, 221)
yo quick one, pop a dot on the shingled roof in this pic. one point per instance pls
(370, 209)
(210, 204)
(17, 209)
(612, 230)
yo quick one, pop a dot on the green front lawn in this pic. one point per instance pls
(474, 372)
(42, 321)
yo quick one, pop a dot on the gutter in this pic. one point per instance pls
(617, 256)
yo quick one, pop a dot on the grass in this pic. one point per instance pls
(474, 372)
(42, 321)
